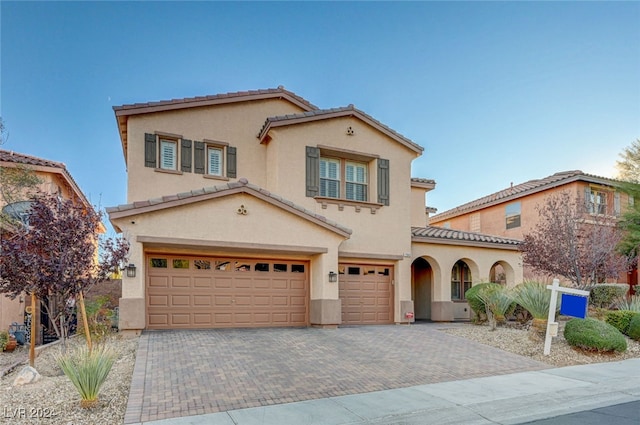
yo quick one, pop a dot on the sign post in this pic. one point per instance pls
(576, 307)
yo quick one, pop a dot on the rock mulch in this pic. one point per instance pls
(521, 340)
(54, 400)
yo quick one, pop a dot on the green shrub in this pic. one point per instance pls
(535, 298)
(87, 370)
(4, 339)
(604, 295)
(620, 319)
(594, 335)
(98, 318)
(634, 327)
(475, 303)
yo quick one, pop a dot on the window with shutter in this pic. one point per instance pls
(356, 181)
(168, 154)
(330, 177)
(214, 159)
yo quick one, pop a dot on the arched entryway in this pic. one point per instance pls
(421, 288)
(501, 272)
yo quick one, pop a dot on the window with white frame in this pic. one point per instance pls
(597, 202)
(339, 176)
(356, 181)
(330, 177)
(214, 161)
(168, 154)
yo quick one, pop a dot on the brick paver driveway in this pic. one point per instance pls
(181, 373)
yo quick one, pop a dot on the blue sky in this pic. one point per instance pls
(496, 92)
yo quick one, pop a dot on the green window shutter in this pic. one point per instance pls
(198, 157)
(231, 162)
(313, 171)
(150, 150)
(383, 181)
(185, 155)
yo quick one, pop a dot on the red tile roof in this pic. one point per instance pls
(441, 235)
(189, 102)
(321, 114)
(523, 189)
(29, 160)
(20, 158)
(243, 185)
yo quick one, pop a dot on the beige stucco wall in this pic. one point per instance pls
(442, 257)
(266, 226)
(418, 205)
(236, 124)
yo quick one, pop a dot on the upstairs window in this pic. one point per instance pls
(598, 201)
(168, 154)
(330, 177)
(346, 175)
(512, 213)
(356, 181)
(338, 176)
(214, 160)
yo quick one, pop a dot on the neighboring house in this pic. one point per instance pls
(53, 178)
(257, 208)
(512, 212)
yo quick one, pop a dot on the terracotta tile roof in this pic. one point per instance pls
(20, 158)
(242, 185)
(321, 114)
(188, 102)
(29, 160)
(420, 180)
(434, 233)
(523, 189)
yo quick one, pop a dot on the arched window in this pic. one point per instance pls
(460, 280)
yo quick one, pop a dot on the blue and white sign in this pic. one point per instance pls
(574, 305)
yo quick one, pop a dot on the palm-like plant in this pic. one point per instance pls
(535, 298)
(497, 300)
(631, 304)
(87, 370)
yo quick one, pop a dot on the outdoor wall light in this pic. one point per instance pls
(131, 270)
(333, 277)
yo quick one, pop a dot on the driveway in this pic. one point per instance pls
(183, 373)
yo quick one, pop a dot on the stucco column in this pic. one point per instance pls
(132, 308)
(325, 308)
(442, 306)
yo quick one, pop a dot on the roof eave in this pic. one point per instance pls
(462, 242)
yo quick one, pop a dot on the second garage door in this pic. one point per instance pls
(366, 292)
(213, 292)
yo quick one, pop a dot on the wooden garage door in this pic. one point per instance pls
(212, 292)
(366, 293)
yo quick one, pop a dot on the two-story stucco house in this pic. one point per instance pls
(257, 208)
(53, 178)
(512, 212)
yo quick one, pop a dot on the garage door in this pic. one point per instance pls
(366, 293)
(213, 292)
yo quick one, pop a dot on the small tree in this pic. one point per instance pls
(571, 243)
(54, 256)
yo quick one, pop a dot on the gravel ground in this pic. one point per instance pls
(53, 400)
(520, 340)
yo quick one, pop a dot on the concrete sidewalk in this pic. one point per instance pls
(586, 394)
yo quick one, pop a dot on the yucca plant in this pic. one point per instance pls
(497, 301)
(631, 304)
(535, 298)
(87, 370)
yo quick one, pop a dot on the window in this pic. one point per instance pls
(214, 161)
(460, 280)
(168, 154)
(354, 184)
(330, 177)
(512, 213)
(596, 200)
